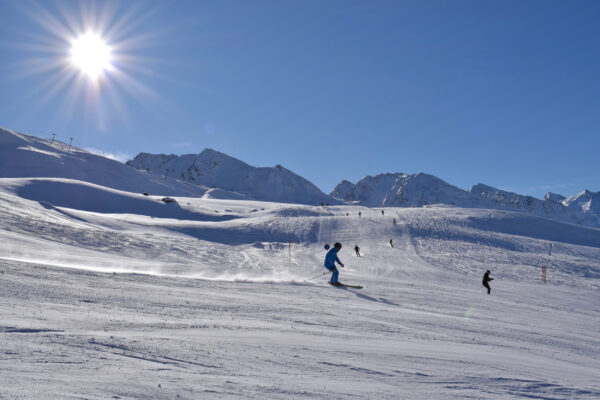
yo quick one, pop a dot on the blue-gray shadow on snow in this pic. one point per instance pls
(49, 206)
(236, 235)
(87, 197)
(538, 228)
(373, 299)
(517, 224)
(365, 297)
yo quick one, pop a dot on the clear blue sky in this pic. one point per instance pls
(505, 93)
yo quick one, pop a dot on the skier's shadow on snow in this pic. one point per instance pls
(379, 300)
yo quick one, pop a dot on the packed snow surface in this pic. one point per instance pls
(110, 294)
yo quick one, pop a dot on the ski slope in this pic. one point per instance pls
(112, 294)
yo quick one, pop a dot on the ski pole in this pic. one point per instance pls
(326, 272)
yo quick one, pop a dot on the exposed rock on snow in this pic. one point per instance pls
(527, 204)
(555, 197)
(98, 284)
(403, 190)
(217, 170)
(586, 201)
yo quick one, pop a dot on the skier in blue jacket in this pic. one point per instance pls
(330, 259)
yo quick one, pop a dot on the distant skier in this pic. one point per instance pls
(382, 212)
(359, 214)
(395, 221)
(330, 259)
(357, 250)
(392, 242)
(486, 280)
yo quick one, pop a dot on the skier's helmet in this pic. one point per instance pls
(327, 246)
(338, 246)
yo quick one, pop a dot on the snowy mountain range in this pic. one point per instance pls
(99, 281)
(217, 170)
(403, 190)
(215, 175)
(26, 156)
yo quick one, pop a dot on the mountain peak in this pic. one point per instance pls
(401, 190)
(586, 201)
(212, 168)
(208, 152)
(554, 197)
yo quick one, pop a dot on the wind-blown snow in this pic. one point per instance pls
(219, 308)
(109, 294)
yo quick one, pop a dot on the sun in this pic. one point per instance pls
(88, 53)
(91, 54)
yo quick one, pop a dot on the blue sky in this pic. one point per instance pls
(505, 93)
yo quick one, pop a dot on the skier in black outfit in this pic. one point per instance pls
(486, 279)
(392, 242)
(357, 250)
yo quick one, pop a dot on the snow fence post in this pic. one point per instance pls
(549, 261)
(543, 274)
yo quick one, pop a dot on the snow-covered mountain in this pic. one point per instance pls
(234, 292)
(403, 190)
(98, 284)
(586, 201)
(547, 208)
(26, 156)
(217, 170)
(555, 197)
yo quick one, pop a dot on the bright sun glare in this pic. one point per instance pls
(85, 53)
(91, 55)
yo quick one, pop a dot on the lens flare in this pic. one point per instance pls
(89, 59)
(91, 54)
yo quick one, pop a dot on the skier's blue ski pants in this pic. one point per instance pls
(334, 276)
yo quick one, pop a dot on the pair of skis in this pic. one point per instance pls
(335, 284)
(344, 285)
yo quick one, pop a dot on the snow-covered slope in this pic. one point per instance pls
(109, 294)
(25, 156)
(402, 190)
(214, 169)
(554, 197)
(547, 208)
(56, 193)
(587, 203)
(224, 307)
